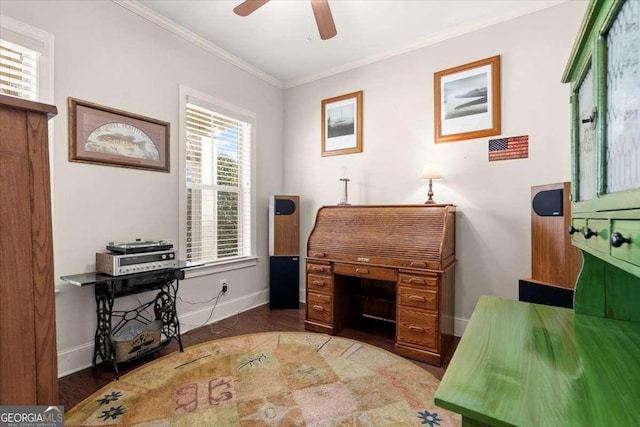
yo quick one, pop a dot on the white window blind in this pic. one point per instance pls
(218, 185)
(18, 71)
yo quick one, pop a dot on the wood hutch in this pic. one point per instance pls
(394, 263)
(28, 358)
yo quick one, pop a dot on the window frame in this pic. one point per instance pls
(218, 106)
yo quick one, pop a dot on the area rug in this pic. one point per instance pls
(270, 379)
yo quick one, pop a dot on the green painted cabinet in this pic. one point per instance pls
(604, 72)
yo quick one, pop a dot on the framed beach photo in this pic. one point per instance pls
(110, 137)
(342, 124)
(467, 101)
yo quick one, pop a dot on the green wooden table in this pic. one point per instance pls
(534, 365)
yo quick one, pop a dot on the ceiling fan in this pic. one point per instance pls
(321, 11)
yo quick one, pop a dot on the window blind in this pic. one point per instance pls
(18, 71)
(218, 185)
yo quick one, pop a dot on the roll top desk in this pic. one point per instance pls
(394, 263)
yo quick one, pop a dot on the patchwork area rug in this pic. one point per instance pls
(270, 379)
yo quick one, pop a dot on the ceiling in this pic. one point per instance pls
(280, 43)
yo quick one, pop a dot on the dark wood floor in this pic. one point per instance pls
(76, 387)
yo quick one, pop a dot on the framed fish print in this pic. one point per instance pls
(106, 136)
(467, 101)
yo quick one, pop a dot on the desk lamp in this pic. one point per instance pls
(430, 172)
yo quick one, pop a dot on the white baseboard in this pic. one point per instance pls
(80, 357)
(459, 325)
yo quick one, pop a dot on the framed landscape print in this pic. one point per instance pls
(342, 124)
(106, 136)
(467, 101)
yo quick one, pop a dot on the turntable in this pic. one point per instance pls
(139, 246)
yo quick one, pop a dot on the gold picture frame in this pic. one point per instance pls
(110, 137)
(467, 101)
(342, 124)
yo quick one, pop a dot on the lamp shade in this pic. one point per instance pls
(431, 172)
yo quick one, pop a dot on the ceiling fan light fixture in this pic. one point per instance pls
(321, 12)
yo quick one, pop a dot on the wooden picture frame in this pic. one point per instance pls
(342, 124)
(467, 101)
(106, 136)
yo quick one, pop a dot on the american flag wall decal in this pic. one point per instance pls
(515, 147)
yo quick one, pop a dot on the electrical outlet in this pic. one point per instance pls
(223, 285)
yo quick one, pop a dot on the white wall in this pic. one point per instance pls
(108, 55)
(493, 243)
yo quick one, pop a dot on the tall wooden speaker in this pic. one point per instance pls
(284, 252)
(555, 262)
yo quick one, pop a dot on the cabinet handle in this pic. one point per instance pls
(318, 254)
(362, 271)
(618, 240)
(318, 308)
(414, 328)
(317, 268)
(573, 230)
(417, 281)
(417, 264)
(589, 233)
(319, 283)
(416, 298)
(592, 118)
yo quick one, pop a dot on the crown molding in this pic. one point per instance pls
(201, 42)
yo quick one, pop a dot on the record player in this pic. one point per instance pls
(136, 257)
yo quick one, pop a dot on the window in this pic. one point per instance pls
(26, 58)
(217, 220)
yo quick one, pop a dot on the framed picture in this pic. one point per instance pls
(467, 101)
(342, 124)
(106, 136)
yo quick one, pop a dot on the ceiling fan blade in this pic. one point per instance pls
(324, 20)
(247, 7)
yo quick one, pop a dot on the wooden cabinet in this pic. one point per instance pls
(394, 263)
(603, 71)
(28, 359)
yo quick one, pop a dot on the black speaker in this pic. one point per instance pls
(548, 203)
(284, 289)
(284, 207)
(544, 294)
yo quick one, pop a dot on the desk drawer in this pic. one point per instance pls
(320, 283)
(417, 328)
(418, 281)
(419, 298)
(319, 307)
(318, 268)
(379, 273)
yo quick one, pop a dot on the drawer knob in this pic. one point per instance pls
(362, 271)
(318, 308)
(414, 328)
(618, 240)
(318, 283)
(416, 298)
(573, 230)
(317, 268)
(589, 233)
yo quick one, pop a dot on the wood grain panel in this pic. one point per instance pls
(42, 260)
(284, 236)
(418, 328)
(418, 298)
(28, 359)
(413, 235)
(320, 283)
(536, 365)
(365, 271)
(554, 260)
